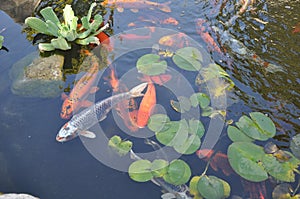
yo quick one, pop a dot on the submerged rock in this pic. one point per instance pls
(35, 76)
(17, 196)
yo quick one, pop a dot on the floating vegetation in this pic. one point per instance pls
(1, 41)
(150, 64)
(67, 31)
(188, 58)
(295, 145)
(120, 146)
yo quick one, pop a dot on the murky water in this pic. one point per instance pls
(33, 162)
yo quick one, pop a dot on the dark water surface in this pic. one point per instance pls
(32, 161)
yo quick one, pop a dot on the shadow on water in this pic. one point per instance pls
(33, 162)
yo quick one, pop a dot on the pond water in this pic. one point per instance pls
(32, 161)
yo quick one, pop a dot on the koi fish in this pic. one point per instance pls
(177, 40)
(134, 5)
(157, 79)
(147, 103)
(80, 92)
(296, 28)
(81, 122)
(134, 36)
(218, 160)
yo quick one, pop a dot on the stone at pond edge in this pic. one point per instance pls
(17, 196)
(35, 76)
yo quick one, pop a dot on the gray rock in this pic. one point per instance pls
(35, 76)
(17, 196)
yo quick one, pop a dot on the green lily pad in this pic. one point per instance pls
(283, 171)
(166, 137)
(259, 126)
(158, 122)
(190, 146)
(140, 171)
(200, 99)
(245, 159)
(283, 191)
(226, 187)
(178, 173)
(207, 111)
(121, 147)
(237, 136)
(181, 135)
(1, 40)
(185, 103)
(193, 186)
(295, 145)
(188, 58)
(196, 127)
(159, 168)
(210, 187)
(150, 64)
(176, 106)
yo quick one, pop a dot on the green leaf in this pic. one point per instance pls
(68, 14)
(119, 146)
(245, 159)
(196, 127)
(60, 43)
(188, 58)
(176, 106)
(140, 171)
(165, 137)
(95, 25)
(193, 186)
(46, 47)
(237, 136)
(181, 135)
(295, 145)
(178, 173)
(210, 187)
(190, 146)
(200, 99)
(185, 103)
(159, 167)
(283, 171)
(37, 24)
(88, 40)
(258, 127)
(52, 28)
(1, 40)
(89, 15)
(226, 187)
(150, 64)
(158, 122)
(49, 15)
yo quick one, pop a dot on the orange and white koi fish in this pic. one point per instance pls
(218, 160)
(177, 40)
(80, 92)
(147, 104)
(134, 5)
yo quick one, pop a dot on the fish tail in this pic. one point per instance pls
(137, 91)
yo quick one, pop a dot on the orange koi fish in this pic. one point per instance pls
(208, 39)
(158, 79)
(296, 28)
(147, 103)
(134, 36)
(80, 92)
(218, 160)
(134, 5)
(178, 40)
(126, 109)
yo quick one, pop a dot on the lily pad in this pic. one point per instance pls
(193, 186)
(210, 187)
(182, 105)
(295, 145)
(259, 126)
(159, 167)
(188, 58)
(181, 135)
(178, 173)
(283, 171)
(190, 146)
(196, 127)
(159, 122)
(121, 147)
(237, 136)
(150, 64)
(176, 106)
(166, 137)
(245, 159)
(140, 171)
(200, 99)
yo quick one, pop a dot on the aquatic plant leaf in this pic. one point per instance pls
(207, 111)
(196, 127)
(259, 126)
(210, 187)
(237, 136)
(181, 135)
(140, 171)
(193, 187)
(245, 159)
(158, 122)
(159, 167)
(37, 24)
(176, 106)
(166, 136)
(150, 64)
(49, 14)
(185, 103)
(283, 191)
(226, 187)
(188, 58)
(120, 146)
(60, 43)
(200, 99)
(190, 146)
(178, 172)
(295, 145)
(1, 40)
(283, 171)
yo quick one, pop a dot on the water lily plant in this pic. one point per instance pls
(1, 41)
(67, 31)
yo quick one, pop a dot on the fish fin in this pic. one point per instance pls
(94, 89)
(102, 118)
(64, 96)
(88, 134)
(119, 9)
(165, 7)
(137, 91)
(134, 10)
(86, 103)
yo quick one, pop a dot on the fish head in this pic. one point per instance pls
(67, 132)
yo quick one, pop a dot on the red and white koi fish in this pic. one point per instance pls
(134, 5)
(80, 92)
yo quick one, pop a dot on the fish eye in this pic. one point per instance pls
(68, 107)
(67, 128)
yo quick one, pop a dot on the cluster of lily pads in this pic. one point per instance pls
(67, 31)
